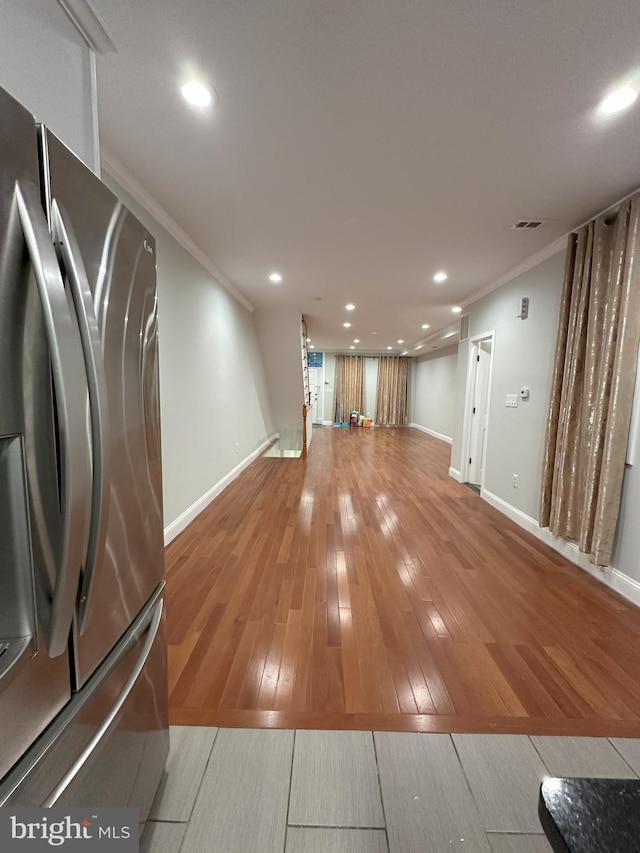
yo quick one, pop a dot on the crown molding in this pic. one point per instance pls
(543, 255)
(439, 336)
(126, 180)
(89, 25)
(533, 261)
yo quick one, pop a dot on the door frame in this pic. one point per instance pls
(318, 409)
(474, 343)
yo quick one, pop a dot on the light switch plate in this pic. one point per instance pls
(512, 401)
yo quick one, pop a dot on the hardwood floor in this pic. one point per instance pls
(367, 589)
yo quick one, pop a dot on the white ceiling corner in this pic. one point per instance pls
(126, 180)
(89, 25)
(532, 261)
(549, 251)
(359, 147)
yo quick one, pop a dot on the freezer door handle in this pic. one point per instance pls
(73, 265)
(69, 382)
(111, 718)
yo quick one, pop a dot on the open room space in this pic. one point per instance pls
(320, 425)
(367, 589)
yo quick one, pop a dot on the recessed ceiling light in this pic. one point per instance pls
(312, 346)
(308, 340)
(400, 341)
(356, 340)
(425, 325)
(456, 309)
(439, 277)
(374, 333)
(275, 277)
(389, 347)
(350, 306)
(352, 347)
(347, 325)
(420, 347)
(618, 100)
(198, 94)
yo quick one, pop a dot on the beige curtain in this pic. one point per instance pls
(392, 395)
(349, 384)
(593, 382)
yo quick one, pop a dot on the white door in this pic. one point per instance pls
(315, 387)
(480, 411)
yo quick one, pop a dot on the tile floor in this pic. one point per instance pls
(277, 791)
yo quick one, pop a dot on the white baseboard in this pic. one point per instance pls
(521, 518)
(183, 520)
(608, 575)
(431, 432)
(327, 423)
(453, 472)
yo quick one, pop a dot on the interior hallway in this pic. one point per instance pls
(366, 589)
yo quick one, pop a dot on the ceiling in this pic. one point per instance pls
(359, 146)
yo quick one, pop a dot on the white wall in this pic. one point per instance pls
(433, 391)
(213, 398)
(47, 66)
(370, 386)
(280, 345)
(523, 357)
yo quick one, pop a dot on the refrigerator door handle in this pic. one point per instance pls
(69, 252)
(110, 719)
(69, 382)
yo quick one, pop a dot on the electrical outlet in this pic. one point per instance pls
(514, 481)
(237, 447)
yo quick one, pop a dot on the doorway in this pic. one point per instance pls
(477, 408)
(317, 398)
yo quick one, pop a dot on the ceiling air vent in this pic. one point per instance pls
(464, 327)
(521, 224)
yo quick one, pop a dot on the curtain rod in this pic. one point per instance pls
(616, 205)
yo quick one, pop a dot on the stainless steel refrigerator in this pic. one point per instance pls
(83, 687)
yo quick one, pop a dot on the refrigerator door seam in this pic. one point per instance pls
(73, 265)
(114, 711)
(69, 381)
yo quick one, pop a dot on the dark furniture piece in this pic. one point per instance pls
(591, 815)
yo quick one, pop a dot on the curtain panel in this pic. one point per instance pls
(392, 396)
(593, 383)
(349, 384)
